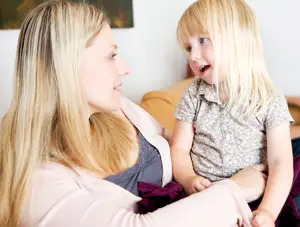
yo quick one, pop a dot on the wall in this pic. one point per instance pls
(156, 60)
(279, 21)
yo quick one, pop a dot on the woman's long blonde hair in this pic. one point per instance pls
(47, 120)
(236, 39)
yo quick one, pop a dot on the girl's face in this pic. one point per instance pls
(102, 71)
(201, 58)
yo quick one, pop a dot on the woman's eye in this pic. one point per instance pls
(188, 49)
(203, 40)
(113, 56)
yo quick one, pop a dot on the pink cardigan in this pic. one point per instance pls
(60, 198)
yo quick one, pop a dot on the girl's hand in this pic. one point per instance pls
(195, 184)
(252, 181)
(262, 218)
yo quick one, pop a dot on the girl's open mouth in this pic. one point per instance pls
(204, 68)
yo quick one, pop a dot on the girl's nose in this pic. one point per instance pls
(196, 55)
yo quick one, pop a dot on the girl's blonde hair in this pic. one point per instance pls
(236, 39)
(47, 120)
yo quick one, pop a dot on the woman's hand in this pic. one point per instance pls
(252, 181)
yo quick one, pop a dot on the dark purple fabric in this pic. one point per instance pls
(154, 196)
(289, 216)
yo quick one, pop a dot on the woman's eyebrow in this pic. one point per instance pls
(114, 46)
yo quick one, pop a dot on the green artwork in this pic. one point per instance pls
(12, 12)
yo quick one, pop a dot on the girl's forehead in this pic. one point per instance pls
(192, 25)
(188, 30)
(188, 37)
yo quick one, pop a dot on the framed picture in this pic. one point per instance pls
(120, 12)
(13, 12)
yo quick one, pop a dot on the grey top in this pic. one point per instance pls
(148, 168)
(224, 143)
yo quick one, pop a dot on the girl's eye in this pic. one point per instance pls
(203, 40)
(188, 49)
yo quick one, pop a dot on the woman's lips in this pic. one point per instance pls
(118, 88)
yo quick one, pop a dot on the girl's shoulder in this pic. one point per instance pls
(276, 112)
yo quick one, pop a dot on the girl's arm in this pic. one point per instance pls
(280, 162)
(181, 145)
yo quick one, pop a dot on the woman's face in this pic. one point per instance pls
(102, 71)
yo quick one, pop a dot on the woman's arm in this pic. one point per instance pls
(280, 162)
(60, 198)
(57, 200)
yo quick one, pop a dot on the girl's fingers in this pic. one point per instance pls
(260, 167)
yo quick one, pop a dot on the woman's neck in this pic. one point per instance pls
(122, 115)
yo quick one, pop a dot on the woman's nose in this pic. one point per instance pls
(124, 69)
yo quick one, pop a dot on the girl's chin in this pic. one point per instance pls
(205, 78)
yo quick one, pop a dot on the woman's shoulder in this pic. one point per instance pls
(51, 172)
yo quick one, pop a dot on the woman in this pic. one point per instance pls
(65, 133)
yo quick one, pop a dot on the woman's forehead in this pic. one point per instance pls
(104, 38)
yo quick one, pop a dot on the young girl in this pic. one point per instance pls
(231, 117)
